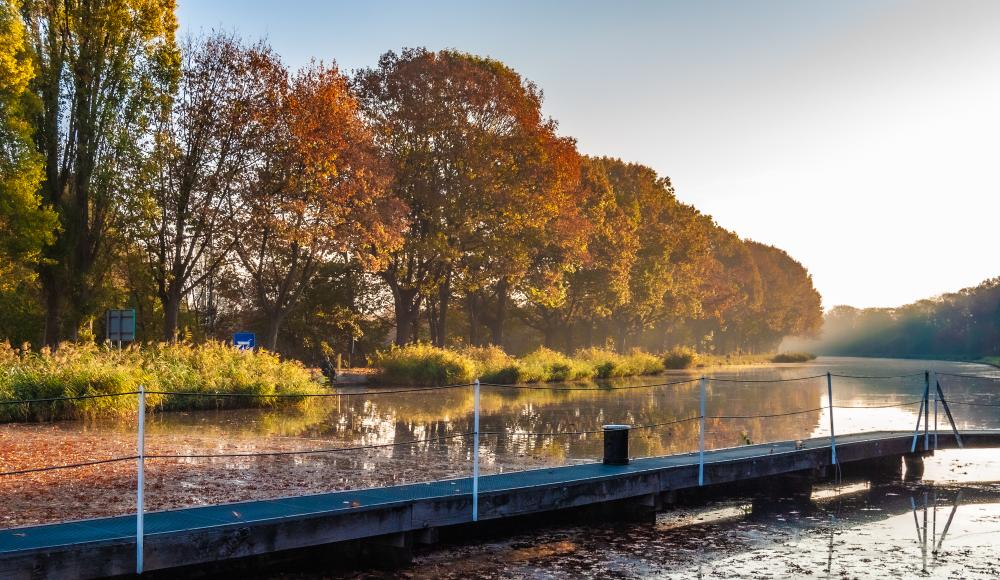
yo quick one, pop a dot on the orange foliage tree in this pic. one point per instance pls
(481, 170)
(318, 191)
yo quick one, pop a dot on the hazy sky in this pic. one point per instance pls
(861, 137)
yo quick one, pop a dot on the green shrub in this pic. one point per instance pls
(86, 369)
(543, 365)
(605, 362)
(793, 357)
(423, 364)
(609, 364)
(680, 357)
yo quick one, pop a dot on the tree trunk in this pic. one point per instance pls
(472, 305)
(171, 303)
(406, 307)
(500, 315)
(444, 296)
(53, 310)
(273, 327)
(549, 336)
(432, 321)
(622, 342)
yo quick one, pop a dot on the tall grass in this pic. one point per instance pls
(423, 364)
(543, 365)
(609, 364)
(793, 357)
(75, 370)
(680, 357)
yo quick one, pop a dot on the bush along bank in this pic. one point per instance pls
(88, 370)
(423, 364)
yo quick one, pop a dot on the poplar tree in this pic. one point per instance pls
(102, 67)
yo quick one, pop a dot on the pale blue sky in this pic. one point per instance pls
(862, 137)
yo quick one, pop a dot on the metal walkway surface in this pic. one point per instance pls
(106, 546)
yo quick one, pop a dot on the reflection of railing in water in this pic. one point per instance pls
(702, 417)
(935, 543)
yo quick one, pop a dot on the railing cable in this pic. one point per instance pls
(594, 389)
(305, 451)
(68, 466)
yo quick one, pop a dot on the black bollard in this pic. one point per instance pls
(616, 444)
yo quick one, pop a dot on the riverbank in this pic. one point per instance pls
(993, 361)
(423, 364)
(173, 374)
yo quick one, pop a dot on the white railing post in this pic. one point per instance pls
(701, 435)
(927, 410)
(475, 453)
(936, 399)
(140, 508)
(916, 430)
(833, 437)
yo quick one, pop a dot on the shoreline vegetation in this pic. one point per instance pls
(85, 370)
(170, 371)
(423, 364)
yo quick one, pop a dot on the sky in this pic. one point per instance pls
(862, 137)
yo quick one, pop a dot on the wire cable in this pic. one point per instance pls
(877, 377)
(306, 395)
(68, 466)
(989, 378)
(220, 395)
(303, 451)
(765, 416)
(590, 432)
(878, 406)
(594, 389)
(721, 380)
(76, 398)
(972, 403)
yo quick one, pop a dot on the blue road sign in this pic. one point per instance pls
(244, 340)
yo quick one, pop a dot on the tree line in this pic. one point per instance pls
(212, 188)
(963, 324)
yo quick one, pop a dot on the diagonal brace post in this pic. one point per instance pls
(947, 411)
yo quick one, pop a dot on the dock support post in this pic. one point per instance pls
(140, 481)
(701, 435)
(927, 410)
(916, 430)
(475, 453)
(833, 437)
(935, 423)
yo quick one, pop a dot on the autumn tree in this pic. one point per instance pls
(594, 277)
(473, 159)
(535, 250)
(26, 226)
(317, 193)
(663, 278)
(731, 297)
(101, 65)
(791, 305)
(202, 150)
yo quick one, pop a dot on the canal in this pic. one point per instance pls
(528, 428)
